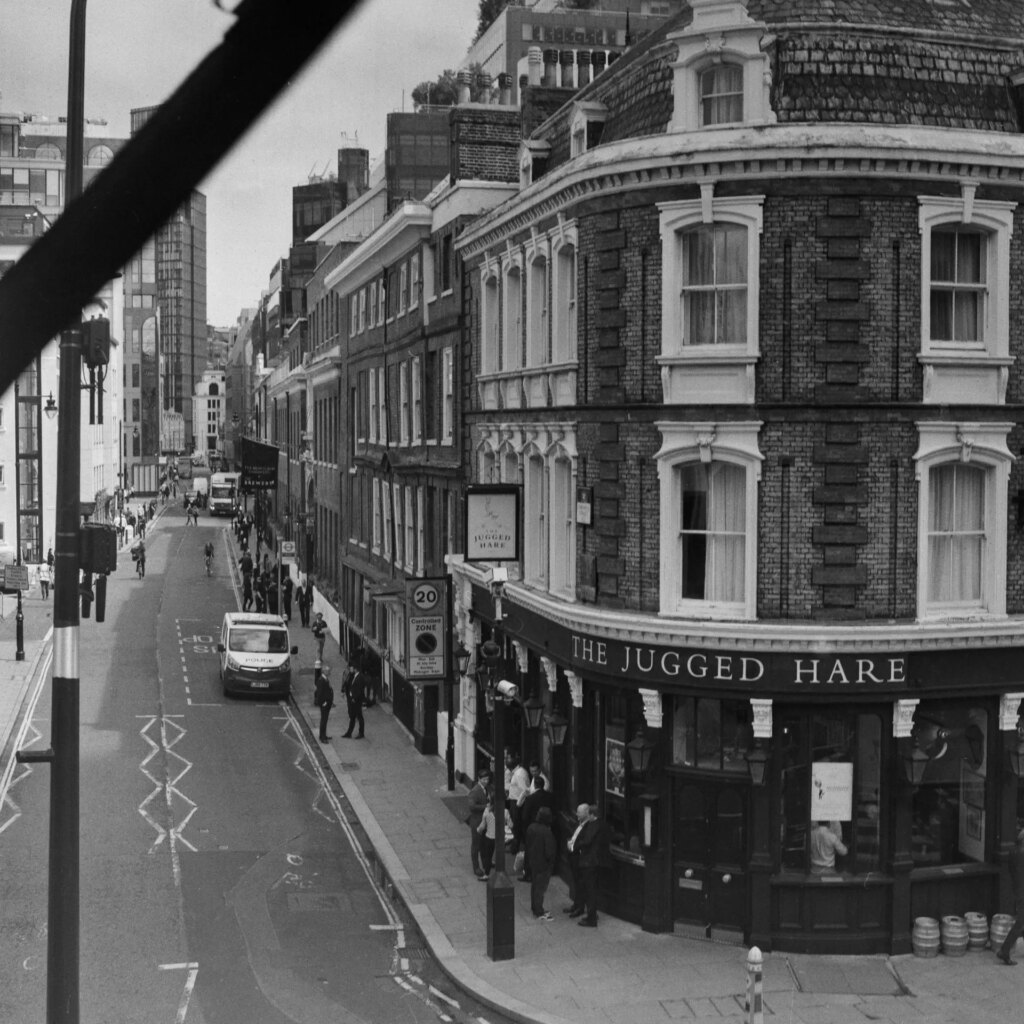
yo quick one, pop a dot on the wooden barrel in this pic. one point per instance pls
(954, 935)
(977, 930)
(1000, 927)
(925, 937)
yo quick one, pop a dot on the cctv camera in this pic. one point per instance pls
(507, 690)
(497, 576)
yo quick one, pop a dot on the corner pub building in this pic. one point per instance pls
(749, 339)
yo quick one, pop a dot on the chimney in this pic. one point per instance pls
(583, 67)
(599, 59)
(484, 80)
(535, 65)
(551, 68)
(567, 59)
(505, 89)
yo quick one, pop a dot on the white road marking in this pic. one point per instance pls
(190, 982)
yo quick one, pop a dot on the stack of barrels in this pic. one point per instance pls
(957, 935)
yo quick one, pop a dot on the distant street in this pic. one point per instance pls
(222, 881)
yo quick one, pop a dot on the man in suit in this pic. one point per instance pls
(594, 849)
(477, 802)
(354, 689)
(324, 700)
(1017, 875)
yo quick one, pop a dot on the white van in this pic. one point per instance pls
(255, 654)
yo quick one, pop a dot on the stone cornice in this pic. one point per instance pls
(755, 153)
(756, 637)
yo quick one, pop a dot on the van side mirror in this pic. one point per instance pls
(220, 648)
(295, 649)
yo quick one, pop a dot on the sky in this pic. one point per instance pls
(139, 51)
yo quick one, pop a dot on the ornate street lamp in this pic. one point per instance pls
(557, 726)
(757, 764)
(51, 407)
(533, 711)
(640, 751)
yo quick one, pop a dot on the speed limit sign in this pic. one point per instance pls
(427, 617)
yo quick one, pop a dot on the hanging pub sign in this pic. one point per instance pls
(259, 465)
(492, 523)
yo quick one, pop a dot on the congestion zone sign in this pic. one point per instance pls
(427, 615)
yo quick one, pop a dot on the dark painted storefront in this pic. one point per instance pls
(908, 748)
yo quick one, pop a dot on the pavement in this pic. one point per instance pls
(563, 974)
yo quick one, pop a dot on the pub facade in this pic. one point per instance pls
(745, 344)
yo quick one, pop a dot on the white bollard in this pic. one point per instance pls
(754, 1006)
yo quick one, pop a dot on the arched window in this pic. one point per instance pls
(214, 390)
(99, 156)
(490, 341)
(537, 333)
(535, 518)
(563, 285)
(49, 151)
(512, 348)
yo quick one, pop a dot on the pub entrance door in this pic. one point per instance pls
(709, 856)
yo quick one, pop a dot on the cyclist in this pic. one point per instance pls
(208, 551)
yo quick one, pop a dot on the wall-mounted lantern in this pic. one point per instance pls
(640, 752)
(557, 726)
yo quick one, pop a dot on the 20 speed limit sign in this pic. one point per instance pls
(427, 614)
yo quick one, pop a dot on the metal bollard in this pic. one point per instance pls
(754, 1006)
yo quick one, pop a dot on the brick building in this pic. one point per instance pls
(746, 343)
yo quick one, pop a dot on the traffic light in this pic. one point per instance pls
(97, 550)
(96, 342)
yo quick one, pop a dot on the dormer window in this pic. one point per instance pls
(586, 126)
(533, 161)
(721, 95)
(722, 76)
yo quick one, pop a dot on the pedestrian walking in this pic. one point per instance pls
(320, 634)
(478, 797)
(50, 559)
(324, 700)
(354, 689)
(1017, 876)
(44, 580)
(540, 860)
(302, 598)
(486, 832)
(286, 596)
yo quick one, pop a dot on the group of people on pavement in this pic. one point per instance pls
(353, 689)
(259, 588)
(529, 836)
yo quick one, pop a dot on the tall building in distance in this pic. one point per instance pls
(165, 330)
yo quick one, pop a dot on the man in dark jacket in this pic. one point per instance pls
(324, 700)
(593, 845)
(533, 802)
(1017, 875)
(286, 597)
(354, 689)
(477, 802)
(540, 860)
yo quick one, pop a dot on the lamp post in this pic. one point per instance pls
(459, 660)
(501, 919)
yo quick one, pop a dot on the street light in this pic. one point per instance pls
(51, 407)
(501, 918)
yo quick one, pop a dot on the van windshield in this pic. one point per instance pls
(258, 640)
(222, 491)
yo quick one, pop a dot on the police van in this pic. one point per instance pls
(255, 655)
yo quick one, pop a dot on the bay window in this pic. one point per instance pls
(721, 94)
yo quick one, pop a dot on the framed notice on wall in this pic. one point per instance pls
(615, 767)
(831, 791)
(492, 523)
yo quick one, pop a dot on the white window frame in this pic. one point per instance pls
(510, 465)
(957, 372)
(382, 302)
(410, 529)
(375, 546)
(976, 444)
(386, 503)
(487, 468)
(530, 152)
(510, 356)
(374, 410)
(383, 406)
(414, 281)
(362, 310)
(490, 320)
(417, 400)
(420, 531)
(564, 295)
(538, 321)
(399, 511)
(684, 444)
(447, 395)
(536, 517)
(562, 545)
(708, 373)
(403, 398)
(353, 315)
(403, 288)
(371, 305)
(703, 95)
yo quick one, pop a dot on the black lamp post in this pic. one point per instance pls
(460, 659)
(501, 918)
